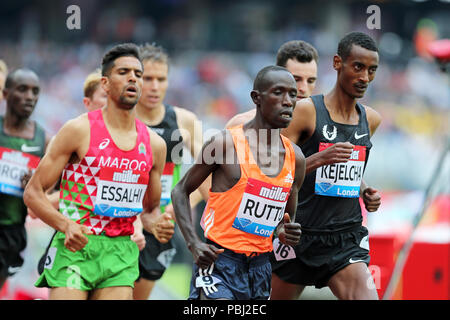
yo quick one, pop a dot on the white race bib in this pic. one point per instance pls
(282, 251)
(120, 192)
(166, 183)
(262, 208)
(13, 165)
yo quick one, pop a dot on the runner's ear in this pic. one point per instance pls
(255, 96)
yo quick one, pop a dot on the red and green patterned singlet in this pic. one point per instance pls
(104, 191)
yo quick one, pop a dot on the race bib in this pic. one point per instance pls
(166, 183)
(13, 165)
(282, 251)
(341, 179)
(120, 192)
(261, 208)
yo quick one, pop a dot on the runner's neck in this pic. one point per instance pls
(341, 106)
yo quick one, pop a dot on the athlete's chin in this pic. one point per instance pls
(128, 103)
(25, 114)
(150, 106)
(284, 122)
(359, 93)
(279, 125)
(284, 125)
(356, 95)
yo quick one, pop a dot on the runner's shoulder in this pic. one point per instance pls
(300, 160)
(241, 118)
(157, 143)
(373, 118)
(185, 117)
(303, 120)
(305, 105)
(298, 151)
(76, 126)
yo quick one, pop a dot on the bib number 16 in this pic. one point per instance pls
(282, 251)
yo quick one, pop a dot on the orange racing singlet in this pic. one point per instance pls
(244, 217)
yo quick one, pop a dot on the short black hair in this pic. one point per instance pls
(299, 50)
(355, 38)
(153, 53)
(260, 77)
(120, 50)
(11, 77)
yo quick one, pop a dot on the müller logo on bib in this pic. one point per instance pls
(341, 179)
(261, 208)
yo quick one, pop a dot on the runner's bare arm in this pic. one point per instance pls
(203, 254)
(60, 151)
(303, 122)
(152, 220)
(193, 136)
(48, 139)
(289, 231)
(26, 177)
(52, 195)
(302, 128)
(373, 118)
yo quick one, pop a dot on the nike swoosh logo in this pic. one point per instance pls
(354, 261)
(26, 148)
(357, 136)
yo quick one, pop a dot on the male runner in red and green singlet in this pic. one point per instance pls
(111, 166)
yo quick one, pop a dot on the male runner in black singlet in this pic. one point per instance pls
(301, 59)
(334, 133)
(178, 127)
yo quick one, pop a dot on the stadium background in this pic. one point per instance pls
(216, 48)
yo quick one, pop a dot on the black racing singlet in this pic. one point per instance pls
(17, 155)
(169, 131)
(329, 197)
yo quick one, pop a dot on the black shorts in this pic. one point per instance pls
(320, 255)
(13, 240)
(155, 258)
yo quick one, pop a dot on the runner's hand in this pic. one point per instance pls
(289, 232)
(169, 209)
(139, 238)
(75, 236)
(31, 214)
(205, 254)
(163, 228)
(372, 199)
(338, 152)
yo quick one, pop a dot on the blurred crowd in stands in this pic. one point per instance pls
(216, 50)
